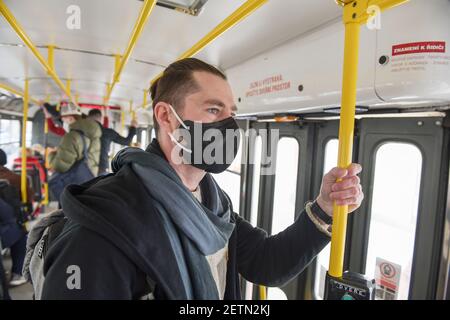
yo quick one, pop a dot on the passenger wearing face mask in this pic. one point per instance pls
(160, 227)
(70, 149)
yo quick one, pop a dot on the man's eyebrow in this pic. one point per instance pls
(219, 103)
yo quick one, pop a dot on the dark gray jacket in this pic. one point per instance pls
(117, 239)
(109, 135)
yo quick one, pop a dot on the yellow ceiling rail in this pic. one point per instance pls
(69, 85)
(17, 92)
(117, 63)
(21, 33)
(51, 56)
(238, 15)
(120, 61)
(354, 14)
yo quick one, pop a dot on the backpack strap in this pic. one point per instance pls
(83, 139)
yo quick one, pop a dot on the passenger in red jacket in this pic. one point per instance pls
(51, 125)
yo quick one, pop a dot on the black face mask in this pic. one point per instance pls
(208, 146)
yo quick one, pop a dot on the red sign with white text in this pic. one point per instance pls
(418, 47)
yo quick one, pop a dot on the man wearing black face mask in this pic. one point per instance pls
(160, 227)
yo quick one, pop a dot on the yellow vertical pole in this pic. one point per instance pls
(262, 293)
(346, 131)
(355, 13)
(23, 174)
(144, 103)
(46, 198)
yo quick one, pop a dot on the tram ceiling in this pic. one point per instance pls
(88, 52)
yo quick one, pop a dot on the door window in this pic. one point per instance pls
(285, 194)
(323, 259)
(394, 209)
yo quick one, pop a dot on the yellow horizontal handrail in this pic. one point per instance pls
(17, 92)
(120, 62)
(239, 14)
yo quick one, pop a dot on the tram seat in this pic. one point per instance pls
(35, 175)
(32, 161)
(35, 183)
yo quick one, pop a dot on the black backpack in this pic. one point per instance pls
(40, 238)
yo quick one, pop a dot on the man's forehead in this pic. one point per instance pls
(214, 90)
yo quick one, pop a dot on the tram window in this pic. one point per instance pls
(144, 133)
(395, 200)
(230, 180)
(9, 139)
(29, 133)
(256, 154)
(323, 259)
(285, 184)
(276, 294)
(285, 193)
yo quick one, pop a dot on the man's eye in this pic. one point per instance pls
(213, 110)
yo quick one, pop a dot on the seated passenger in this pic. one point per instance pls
(35, 159)
(109, 135)
(4, 294)
(161, 227)
(12, 235)
(13, 178)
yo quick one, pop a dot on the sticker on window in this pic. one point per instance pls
(387, 277)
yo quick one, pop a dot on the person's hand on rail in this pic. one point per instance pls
(348, 191)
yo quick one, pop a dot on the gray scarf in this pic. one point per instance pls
(195, 230)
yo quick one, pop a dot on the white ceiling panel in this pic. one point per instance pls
(272, 24)
(106, 26)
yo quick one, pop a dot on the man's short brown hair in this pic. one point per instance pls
(177, 81)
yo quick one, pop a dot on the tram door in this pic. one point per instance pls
(277, 182)
(396, 235)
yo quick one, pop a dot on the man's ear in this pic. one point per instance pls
(162, 114)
